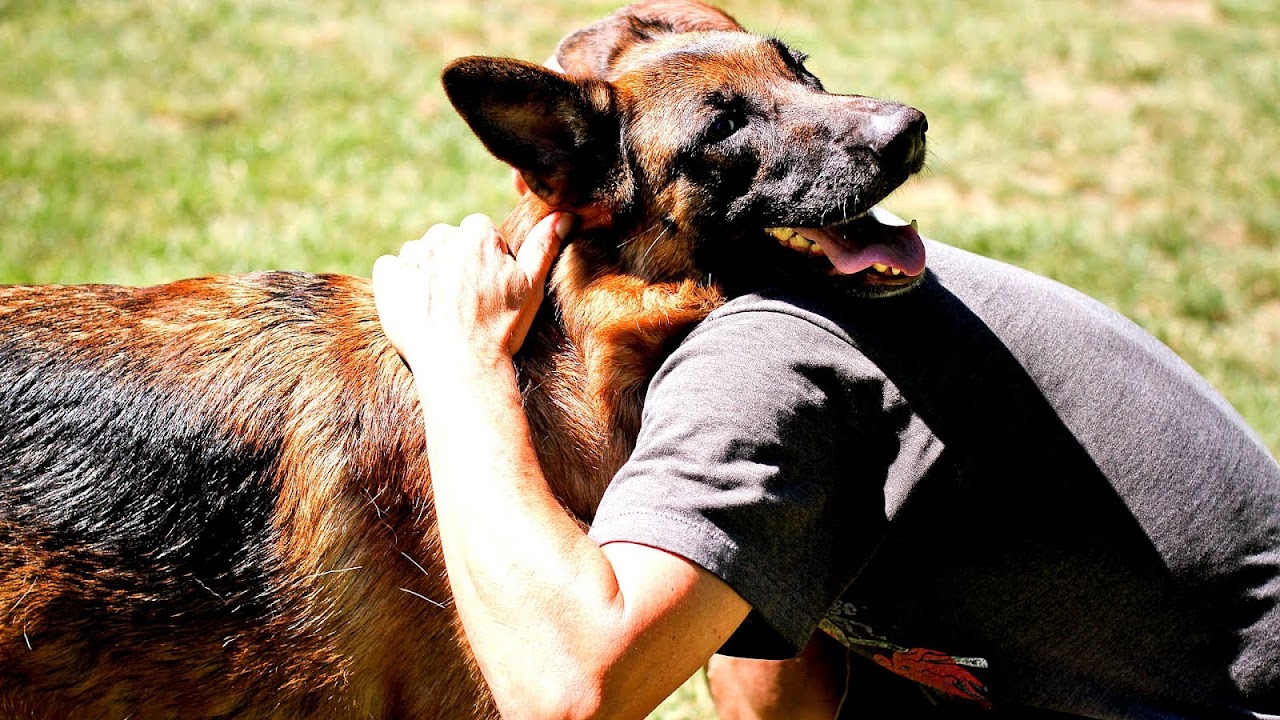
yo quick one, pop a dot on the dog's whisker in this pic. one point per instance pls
(652, 245)
(420, 596)
(378, 512)
(532, 389)
(206, 587)
(627, 241)
(656, 240)
(415, 563)
(25, 594)
(332, 572)
(374, 502)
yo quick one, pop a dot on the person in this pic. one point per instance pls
(1000, 497)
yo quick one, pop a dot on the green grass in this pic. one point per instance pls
(1130, 148)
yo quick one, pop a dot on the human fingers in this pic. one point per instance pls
(383, 268)
(389, 298)
(416, 252)
(479, 228)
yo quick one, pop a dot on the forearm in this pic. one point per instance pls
(537, 597)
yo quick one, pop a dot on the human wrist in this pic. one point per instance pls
(445, 352)
(451, 370)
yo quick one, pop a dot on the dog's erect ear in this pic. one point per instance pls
(561, 134)
(592, 51)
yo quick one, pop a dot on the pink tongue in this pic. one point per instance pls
(866, 242)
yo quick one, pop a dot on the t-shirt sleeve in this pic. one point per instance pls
(758, 459)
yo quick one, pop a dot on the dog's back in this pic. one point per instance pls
(202, 489)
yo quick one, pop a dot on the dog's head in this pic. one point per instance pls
(689, 146)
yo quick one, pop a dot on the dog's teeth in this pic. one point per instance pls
(791, 239)
(914, 225)
(895, 271)
(880, 268)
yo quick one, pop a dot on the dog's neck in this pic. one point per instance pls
(590, 354)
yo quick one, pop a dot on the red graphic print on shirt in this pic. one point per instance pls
(949, 674)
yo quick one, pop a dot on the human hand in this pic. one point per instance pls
(459, 290)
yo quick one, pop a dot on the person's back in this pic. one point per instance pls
(1036, 502)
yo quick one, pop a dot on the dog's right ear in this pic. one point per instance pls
(560, 134)
(593, 50)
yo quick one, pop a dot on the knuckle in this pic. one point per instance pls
(436, 232)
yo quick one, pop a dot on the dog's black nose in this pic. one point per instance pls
(900, 137)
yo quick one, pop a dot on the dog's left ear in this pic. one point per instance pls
(561, 134)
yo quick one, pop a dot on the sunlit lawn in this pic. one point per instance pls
(1128, 148)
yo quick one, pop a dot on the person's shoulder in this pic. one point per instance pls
(767, 345)
(780, 315)
(979, 280)
(956, 266)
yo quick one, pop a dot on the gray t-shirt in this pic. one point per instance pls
(990, 484)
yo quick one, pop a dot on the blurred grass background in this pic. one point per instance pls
(1130, 148)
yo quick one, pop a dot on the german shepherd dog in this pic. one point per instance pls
(215, 499)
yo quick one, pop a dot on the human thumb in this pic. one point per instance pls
(539, 248)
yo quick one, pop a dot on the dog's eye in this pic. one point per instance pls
(723, 126)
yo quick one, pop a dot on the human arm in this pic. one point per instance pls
(560, 626)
